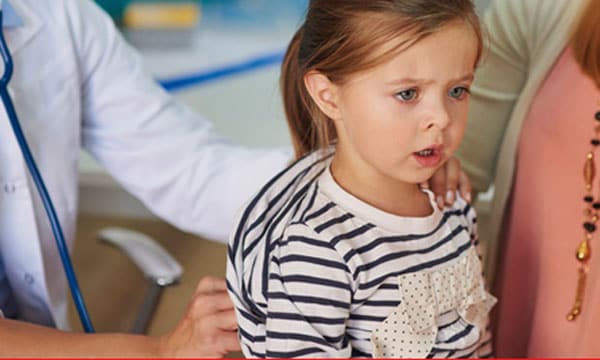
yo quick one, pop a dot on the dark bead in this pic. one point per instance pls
(595, 142)
(588, 199)
(589, 227)
(598, 116)
(596, 206)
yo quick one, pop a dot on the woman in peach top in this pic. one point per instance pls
(534, 116)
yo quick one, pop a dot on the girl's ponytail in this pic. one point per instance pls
(294, 96)
(310, 129)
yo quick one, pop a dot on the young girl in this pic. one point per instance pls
(342, 254)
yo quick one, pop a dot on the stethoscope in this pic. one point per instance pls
(39, 183)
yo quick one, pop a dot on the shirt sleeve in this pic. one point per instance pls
(471, 215)
(309, 298)
(498, 83)
(158, 149)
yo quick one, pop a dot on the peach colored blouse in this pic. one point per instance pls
(536, 285)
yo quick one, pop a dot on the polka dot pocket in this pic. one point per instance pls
(411, 329)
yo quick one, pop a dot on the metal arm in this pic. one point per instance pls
(159, 267)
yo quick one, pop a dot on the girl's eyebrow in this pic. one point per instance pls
(410, 81)
(468, 77)
(418, 81)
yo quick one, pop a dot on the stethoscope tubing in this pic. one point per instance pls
(41, 187)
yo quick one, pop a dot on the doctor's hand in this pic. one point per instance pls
(446, 180)
(208, 328)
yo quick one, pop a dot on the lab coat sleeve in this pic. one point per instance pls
(497, 86)
(158, 149)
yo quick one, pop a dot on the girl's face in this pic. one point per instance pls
(400, 121)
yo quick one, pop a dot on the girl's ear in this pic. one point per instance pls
(324, 93)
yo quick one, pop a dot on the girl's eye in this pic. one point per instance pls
(458, 92)
(407, 95)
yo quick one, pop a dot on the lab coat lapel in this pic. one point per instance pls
(17, 37)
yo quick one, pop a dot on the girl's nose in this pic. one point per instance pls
(439, 118)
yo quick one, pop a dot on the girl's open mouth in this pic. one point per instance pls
(429, 157)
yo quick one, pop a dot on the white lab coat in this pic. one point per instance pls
(77, 83)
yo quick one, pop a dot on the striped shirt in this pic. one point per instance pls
(315, 272)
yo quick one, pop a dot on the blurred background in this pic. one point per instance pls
(221, 58)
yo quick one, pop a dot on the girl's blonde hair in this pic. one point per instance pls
(342, 37)
(586, 41)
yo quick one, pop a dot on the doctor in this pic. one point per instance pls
(77, 84)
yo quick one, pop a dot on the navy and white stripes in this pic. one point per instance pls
(313, 271)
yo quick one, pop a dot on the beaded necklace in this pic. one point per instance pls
(584, 252)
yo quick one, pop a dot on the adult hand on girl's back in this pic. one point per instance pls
(208, 328)
(446, 180)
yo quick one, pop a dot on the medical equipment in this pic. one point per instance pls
(158, 266)
(39, 182)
